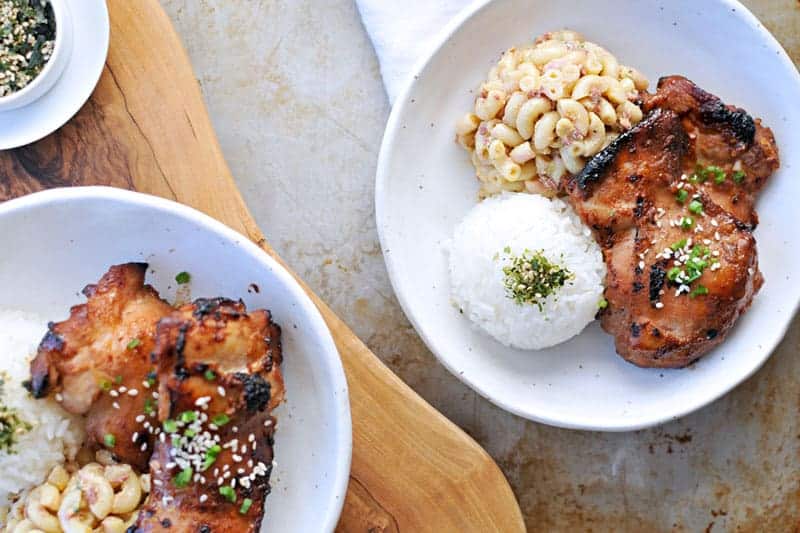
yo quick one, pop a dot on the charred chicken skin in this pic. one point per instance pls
(219, 379)
(97, 362)
(671, 204)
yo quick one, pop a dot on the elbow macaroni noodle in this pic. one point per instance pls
(97, 498)
(544, 109)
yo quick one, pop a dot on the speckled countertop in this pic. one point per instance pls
(295, 95)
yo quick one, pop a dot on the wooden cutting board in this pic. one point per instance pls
(146, 128)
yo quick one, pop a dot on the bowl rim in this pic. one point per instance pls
(328, 356)
(382, 178)
(62, 17)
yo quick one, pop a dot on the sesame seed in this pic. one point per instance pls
(717, 236)
(255, 444)
(225, 468)
(59, 397)
(203, 498)
(641, 265)
(140, 419)
(146, 384)
(144, 447)
(123, 389)
(237, 458)
(157, 482)
(113, 393)
(155, 395)
(133, 392)
(243, 449)
(115, 405)
(240, 470)
(162, 437)
(235, 429)
(714, 222)
(221, 391)
(659, 305)
(251, 437)
(715, 253)
(750, 271)
(220, 480)
(233, 483)
(268, 422)
(244, 482)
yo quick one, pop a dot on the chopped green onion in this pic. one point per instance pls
(188, 416)
(118, 380)
(220, 419)
(214, 450)
(678, 245)
(718, 173)
(170, 426)
(176, 440)
(109, 440)
(134, 343)
(210, 375)
(700, 290)
(246, 504)
(183, 478)
(687, 222)
(228, 493)
(603, 303)
(183, 277)
(189, 433)
(682, 195)
(738, 176)
(696, 207)
(105, 385)
(148, 407)
(673, 273)
(151, 378)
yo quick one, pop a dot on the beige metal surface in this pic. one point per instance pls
(295, 95)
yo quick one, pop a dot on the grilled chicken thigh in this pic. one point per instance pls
(219, 378)
(671, 203)
(97, 361)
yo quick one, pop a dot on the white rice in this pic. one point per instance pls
(55, 435)
(525, 222)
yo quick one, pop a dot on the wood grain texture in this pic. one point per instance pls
(146, 128)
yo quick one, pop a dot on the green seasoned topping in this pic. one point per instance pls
(149, 408)
(183, 278)
(700, 290)
(678, 245)
(188, 416)
(133, 344)
(118, 380)
(151, 378)
(109, 440)
(246, 504)
(687, 222)
(672, 273)
(220, 419)
(27, 40)
(210, 375)
(105, 385)
(170, 426)
(189, 433)
(703, 174)
(183, 478)
(211, 456)
(696, 207)
(738, 177)
(11, 425)
(681, 195)
(602, 304)
(228, 493)
(531, 277)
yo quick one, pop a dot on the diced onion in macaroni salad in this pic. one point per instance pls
(545, 108)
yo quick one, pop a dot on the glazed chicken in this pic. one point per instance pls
(219, 379)
(671, 204)
(97, 362)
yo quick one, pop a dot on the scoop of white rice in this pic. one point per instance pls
(55, 435)
(520, 222)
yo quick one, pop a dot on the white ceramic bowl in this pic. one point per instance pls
(57, 241)
(425, 185)
(62, 50)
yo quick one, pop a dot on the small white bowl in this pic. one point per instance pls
(62, 50)
(62, 239)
